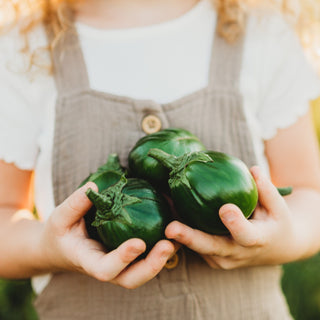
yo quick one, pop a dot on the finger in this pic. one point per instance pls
(199, 241)
(223, 263)
(106, 266)
(146, 269)
(269, 196)
(243, 231)
(74, 207)
(177, 246)
(210, 261)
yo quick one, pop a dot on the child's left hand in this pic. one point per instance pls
(269, 237)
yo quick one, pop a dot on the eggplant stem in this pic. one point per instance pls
(285, 191)
(100, 201)
(109, 203)
(168, 160)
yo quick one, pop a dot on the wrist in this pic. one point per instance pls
(305, 241)
(48, 250)
(41, 251)
(20, 236)
(304, 205)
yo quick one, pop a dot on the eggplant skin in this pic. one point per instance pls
(174, 141)
(146, 220)
(211, 185)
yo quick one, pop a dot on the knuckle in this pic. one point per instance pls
(54, 222)
(76, 201)
(126, 282)
(71, 203)
(221, 248)
(128, 253)
(129, 285)
(211, 264)
(126, 257)
(154, 268)
(102, 275)
(218, 252)
(251, 242)
(248, 238)
(258, 240)
(225, 264)
(187, 239)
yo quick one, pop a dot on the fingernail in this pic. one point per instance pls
(177, 236)
(137, 250)
(228, 216)
(258, 174)
(90, 185)
(165, 255)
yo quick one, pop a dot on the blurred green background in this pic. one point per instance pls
(300, 283)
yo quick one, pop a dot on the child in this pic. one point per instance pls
(239, 82)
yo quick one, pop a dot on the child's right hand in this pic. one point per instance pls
(65, 245)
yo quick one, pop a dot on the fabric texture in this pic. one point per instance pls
(192, 290)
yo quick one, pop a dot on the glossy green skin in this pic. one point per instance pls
(213, 184)
(145, 220)
(103, 180)
(173, 141)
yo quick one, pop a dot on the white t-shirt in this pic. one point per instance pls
(153, 62)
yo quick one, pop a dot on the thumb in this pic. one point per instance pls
(74, 207)
(241, 229)
(269, 197)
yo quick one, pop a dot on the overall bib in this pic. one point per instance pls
(89, 125)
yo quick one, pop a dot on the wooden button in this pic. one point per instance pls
(151, 124)
(172, 262)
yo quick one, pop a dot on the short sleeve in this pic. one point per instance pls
(20, 108)
(287, 80)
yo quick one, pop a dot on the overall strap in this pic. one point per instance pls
(232, 133)
(226, 61)
(66, 51)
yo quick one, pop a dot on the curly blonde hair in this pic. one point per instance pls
(303, 14)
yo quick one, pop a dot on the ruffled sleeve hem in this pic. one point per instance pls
(283, 118)
(19, 141)
(284, 122)
(21, 164)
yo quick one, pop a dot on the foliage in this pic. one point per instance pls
(301, 286)
(15, 300)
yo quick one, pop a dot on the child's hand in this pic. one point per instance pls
(66, 246)
(267, 238)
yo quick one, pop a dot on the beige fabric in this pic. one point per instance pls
(89, 125)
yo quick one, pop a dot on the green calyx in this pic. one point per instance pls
(176, 165)
(110, 202)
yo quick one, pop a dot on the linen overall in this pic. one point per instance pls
(89, 125)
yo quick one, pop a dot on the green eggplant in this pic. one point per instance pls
(131, 208)
(201, 182)
(173, 141)
(105, 176)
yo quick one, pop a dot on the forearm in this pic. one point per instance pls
(20, 251)
(304, 205)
